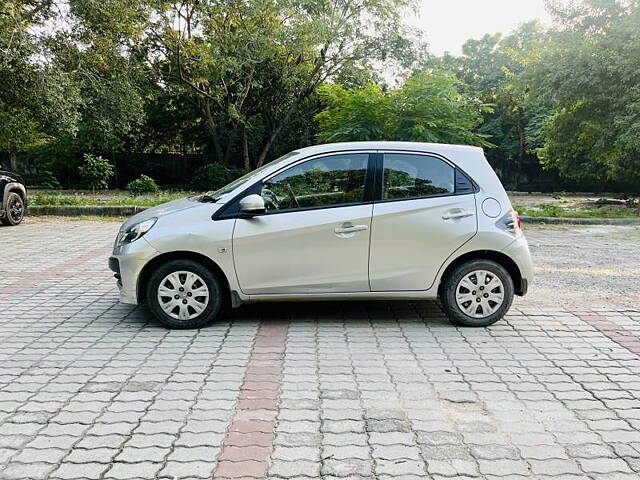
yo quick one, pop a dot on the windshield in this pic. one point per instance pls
(217, 194)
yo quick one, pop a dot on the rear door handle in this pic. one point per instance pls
(453, 214)
(350, 228)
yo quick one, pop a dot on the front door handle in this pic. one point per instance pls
(349, 227)
(453, 214)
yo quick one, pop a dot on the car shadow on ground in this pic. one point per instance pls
(330, 311)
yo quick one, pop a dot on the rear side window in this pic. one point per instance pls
(415, 176)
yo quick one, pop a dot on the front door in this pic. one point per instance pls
(418, 222)
(314, 236)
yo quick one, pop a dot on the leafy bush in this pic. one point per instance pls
(95, 171)
(213, 176)
(143, 185)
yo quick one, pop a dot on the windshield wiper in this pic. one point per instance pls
(206, 197)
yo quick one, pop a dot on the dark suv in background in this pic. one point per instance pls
(13, 198)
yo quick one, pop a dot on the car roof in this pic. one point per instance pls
(438, 148)
(464, 156)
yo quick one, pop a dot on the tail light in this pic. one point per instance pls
(516, 220)
(510, 222)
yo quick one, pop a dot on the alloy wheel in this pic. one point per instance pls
(183, 295)
(16, 209)
(479, 293)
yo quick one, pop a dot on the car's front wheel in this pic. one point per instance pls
(14, 209)
(477, 293)
(184, 294)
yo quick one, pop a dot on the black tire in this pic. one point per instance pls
(14, 210)
(450, 284)
(213, 284)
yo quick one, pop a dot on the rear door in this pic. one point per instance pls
(425, 210)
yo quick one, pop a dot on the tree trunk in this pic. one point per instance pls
(521, 148)
(245, 149)
(13, 162)
(230, 142)
(262, 156)
(115, 167)
(213, 130)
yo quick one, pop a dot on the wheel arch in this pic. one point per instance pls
(14, 187)
(148, 269)
(500, 258)
(20, 192)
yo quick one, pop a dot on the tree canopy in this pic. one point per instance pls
(428, 107)
(593, 81)
(242, 81)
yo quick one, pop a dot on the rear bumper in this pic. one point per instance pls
(524, 287)
(519, 252)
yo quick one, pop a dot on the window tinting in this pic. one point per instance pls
(322, 182)
(415, 176)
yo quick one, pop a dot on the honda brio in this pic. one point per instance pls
(344, 221)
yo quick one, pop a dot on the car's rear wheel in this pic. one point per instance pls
(184, 294)
(477, 293)
(14, 213)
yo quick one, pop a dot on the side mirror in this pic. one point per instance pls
(252, 205)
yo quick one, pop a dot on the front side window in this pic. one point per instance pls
(322, 182)
(217, 194)
(414, 176)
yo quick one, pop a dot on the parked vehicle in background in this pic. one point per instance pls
(13, 195)
(364, 220)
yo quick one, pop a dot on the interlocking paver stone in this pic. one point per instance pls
(90, 388)
(87, 470)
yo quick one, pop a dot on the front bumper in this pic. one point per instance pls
(127, 263)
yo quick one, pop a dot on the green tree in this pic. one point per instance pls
(592, 77)
(103, 53)
(428, 107)
(38, 100)
(497, 69)
(254, 64)
(359, 114)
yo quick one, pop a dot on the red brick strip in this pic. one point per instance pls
(247, 446)
(611, 330)
(29, 279)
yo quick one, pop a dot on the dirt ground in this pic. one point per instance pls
(579, 266)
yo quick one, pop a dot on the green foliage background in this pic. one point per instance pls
(239, 82)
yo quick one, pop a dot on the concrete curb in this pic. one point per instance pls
(581, 221)
(127, 211)
(80, 210)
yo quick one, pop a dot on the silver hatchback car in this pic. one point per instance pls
(364, 220)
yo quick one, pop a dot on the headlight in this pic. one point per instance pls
(134, 232)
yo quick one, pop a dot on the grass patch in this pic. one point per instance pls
(110, 198)
(558, 211)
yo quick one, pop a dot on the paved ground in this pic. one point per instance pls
(90, 388)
